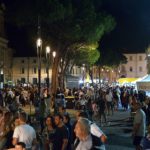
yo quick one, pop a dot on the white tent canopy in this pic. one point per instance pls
(144, 84)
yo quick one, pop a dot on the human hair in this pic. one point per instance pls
(83, 114)
(67, 117)
(84, 125)
(52, 120)
(22, 144)
(23, 116)
(59, 115)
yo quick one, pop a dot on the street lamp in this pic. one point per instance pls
(47, 65)
(83, 68)
(54, 54)
(39, 50)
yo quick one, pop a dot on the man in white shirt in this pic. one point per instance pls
(24, 132)
(139, 126)
(109, 100)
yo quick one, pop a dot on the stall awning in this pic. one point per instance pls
(127, 80)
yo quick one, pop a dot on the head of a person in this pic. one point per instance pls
(83, 114)
(16, 121)
(20, 146)
(137, 106)
(82, 128)
(66, 118)
(7, 116)
(61, 109)
(23, 117)
(77, 114)
(58, 119)
(50, 121)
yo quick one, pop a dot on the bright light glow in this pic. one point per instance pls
(48, 49)
(80, 81)
(2, 71)
(83, 68)
(39, 42)
(102, 70)
(54, 54)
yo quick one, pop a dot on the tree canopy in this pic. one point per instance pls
(63, 22)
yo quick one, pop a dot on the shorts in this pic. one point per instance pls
(137, 140)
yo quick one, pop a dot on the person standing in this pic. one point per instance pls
(24, 132)
(61, 134)
(139, 126)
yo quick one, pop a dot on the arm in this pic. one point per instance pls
(64, 145)
(103, 138)
(95, 130)
(136, 128)
(15, 136)
(136, 124)
(15, 141)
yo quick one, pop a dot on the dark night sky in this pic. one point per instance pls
(132, 31)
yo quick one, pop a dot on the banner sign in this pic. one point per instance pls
(145, 86)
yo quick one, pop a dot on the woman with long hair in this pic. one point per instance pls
(48, 133)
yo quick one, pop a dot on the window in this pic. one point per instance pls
(23, 80)
(34, 70)
(140, 69)
(130, 58)
(130, 69)
(22, 70)
(34, 80)
(22, 61)
(123, 69)
(140, 58)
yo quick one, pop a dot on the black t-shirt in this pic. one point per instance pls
(60, 134)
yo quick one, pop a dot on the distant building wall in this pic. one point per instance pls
(5, 51)
(135, 66)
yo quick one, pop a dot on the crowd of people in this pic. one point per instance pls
(57, 130)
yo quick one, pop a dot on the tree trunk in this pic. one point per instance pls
(54, 84)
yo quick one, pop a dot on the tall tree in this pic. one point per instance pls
(63, 23)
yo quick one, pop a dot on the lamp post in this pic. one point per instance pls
(54, 55)
(83, 68)
(47, 65)
(39, 50)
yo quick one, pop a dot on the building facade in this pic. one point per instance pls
(6, 53)
(135, 67)
(25, 70)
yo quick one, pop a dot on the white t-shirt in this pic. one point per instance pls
(95, 130)
(25, 133)
(140, 118)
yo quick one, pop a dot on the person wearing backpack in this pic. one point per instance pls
(84, 139)
(94, 130)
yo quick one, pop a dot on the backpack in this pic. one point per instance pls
(96, 143)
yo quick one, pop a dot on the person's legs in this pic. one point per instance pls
(137, 141)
